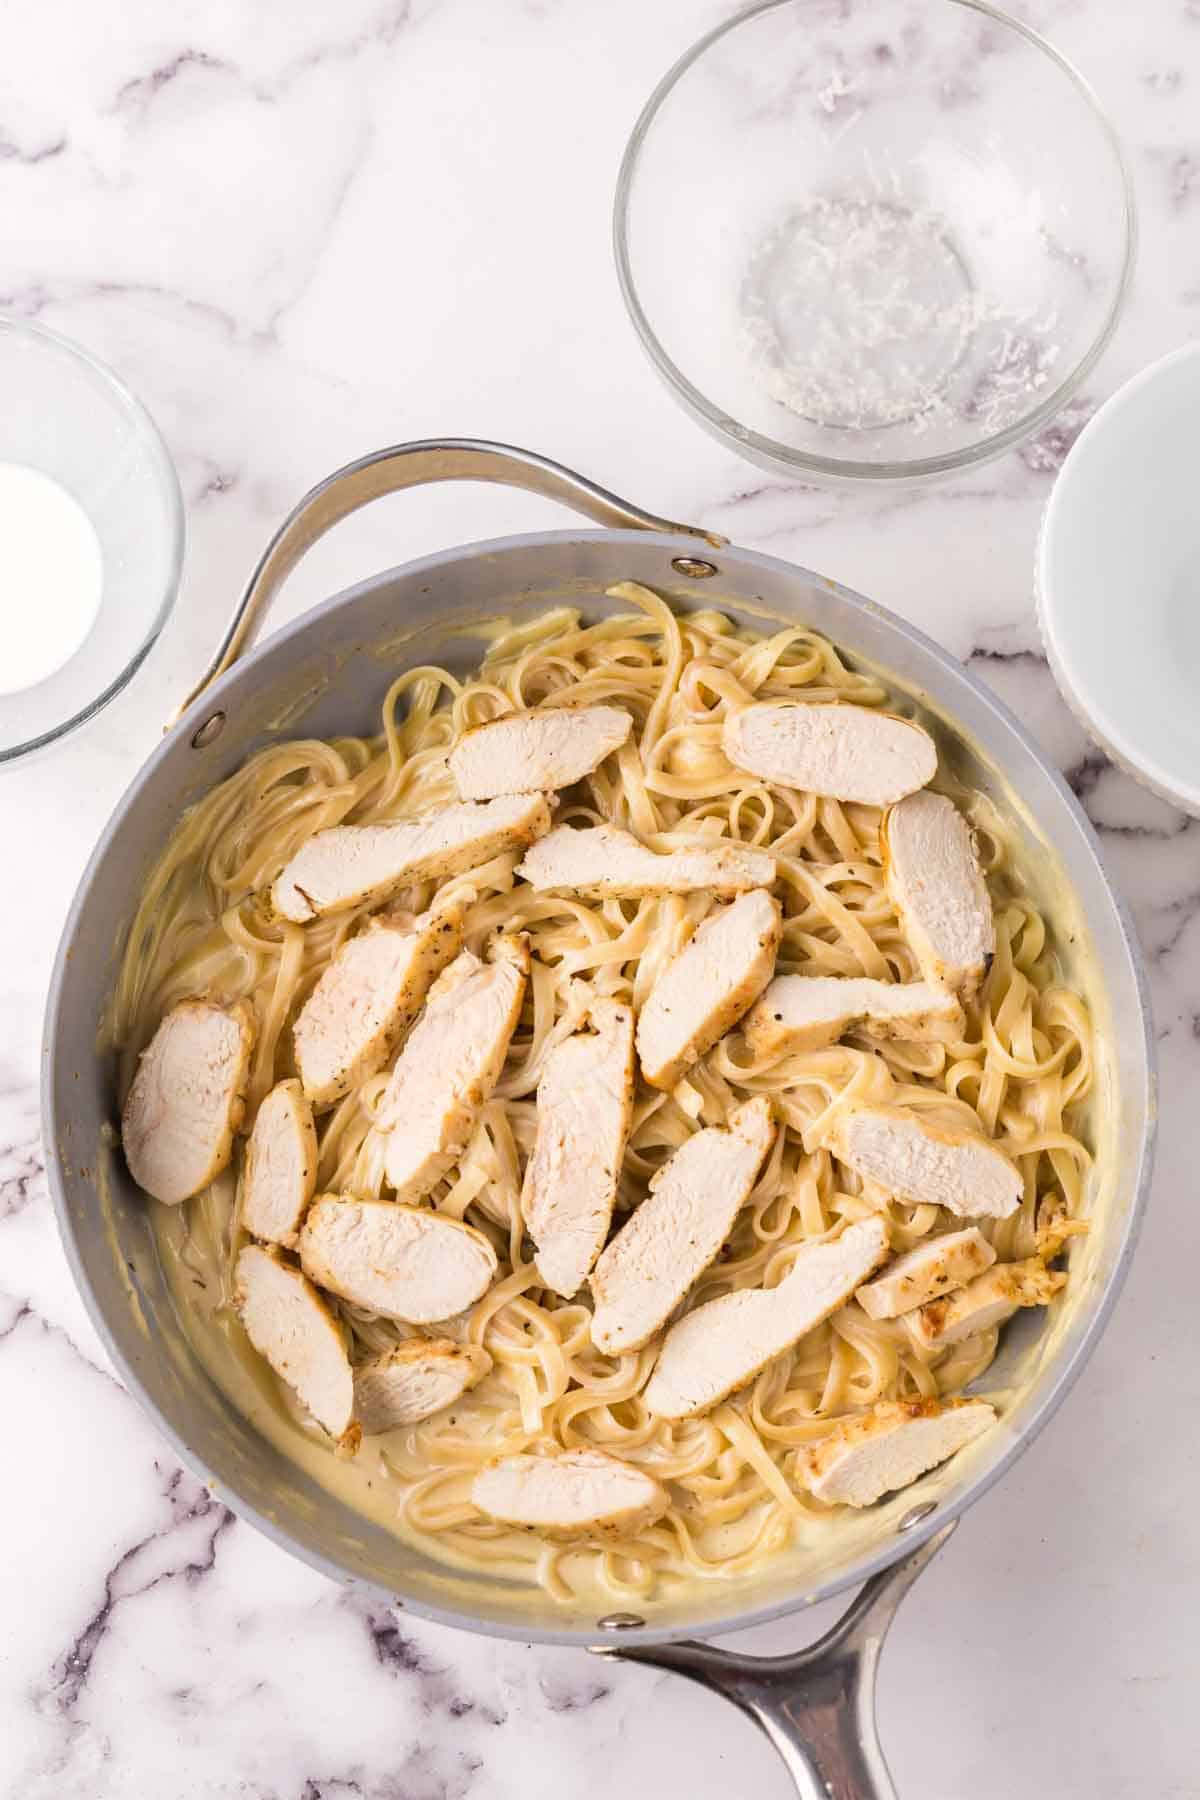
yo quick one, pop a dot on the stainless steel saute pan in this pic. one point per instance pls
(325, 675)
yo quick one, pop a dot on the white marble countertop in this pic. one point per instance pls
(304, 231)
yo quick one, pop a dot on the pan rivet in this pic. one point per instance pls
(914, 1515)
(693, 566)
(620, 1621)
(209, 732)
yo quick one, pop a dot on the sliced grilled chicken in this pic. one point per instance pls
(188, 1098)
(370, 993)
(843, 752)
(536, 752)
(807, 1012)
(989, 1300)
(937, 887)
(862, 1459)
(926, 1273)
(678, 1229)
(449, 1066)
(920, 1163)
(708, 986)
(289, 1323)
(584, 1106)
(280, 1165)
(577, 1493)
(400, 1261)
(414, 1381)
(602, 860)
(719, 1347)
(348, 864)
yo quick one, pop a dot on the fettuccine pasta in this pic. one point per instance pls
(1019, 1075)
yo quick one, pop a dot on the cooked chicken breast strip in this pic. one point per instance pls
(989, 1300)
(807, 1012)
(449, 1066)
(402, 1261)
(599, 859)
(708, 986)
(584, 1106)
(721, 1346)
(536, 752)
(348, 864)
(288, 1322)
(919, 1162)
(841, 751)
(188, 1098)
(578, 1492)
(368, 996)
(414, 1380)
(678, 1229)
(280, 1168)
(926, 1273)
(864, 1458)
(937, 887)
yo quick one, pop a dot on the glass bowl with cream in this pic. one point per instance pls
(91, 536)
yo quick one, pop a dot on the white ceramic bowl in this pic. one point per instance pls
(1118, 578)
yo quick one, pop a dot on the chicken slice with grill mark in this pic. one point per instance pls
(864, 1458)
(348, 864)
(536, 752)
(936, 884)
(922, 1163)
(926, 1273)
(289, 1323)
(280, 1171)
(809, 1012)
(584, 1106)
(990, 1300)
(719, 1347)
(600, 859)
(678, 1229)
(708, 986)
(405, 1262)
(577, 1493)
(367, 997)
(414, 1380)
(839, 751)
(449, 1065)
(188, 1098)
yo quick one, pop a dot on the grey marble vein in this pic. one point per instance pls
(39, 297)
(136, 95)
(185, 1549)
(406, 1658)
(12, 151)
(20, 1314)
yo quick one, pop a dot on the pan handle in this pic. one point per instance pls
(405, 466)
(817, 1706)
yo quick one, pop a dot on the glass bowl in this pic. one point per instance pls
(67, 418)
(874, 242)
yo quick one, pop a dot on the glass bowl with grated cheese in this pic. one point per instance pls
(873, 243)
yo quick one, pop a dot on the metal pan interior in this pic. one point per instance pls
(326, 674)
